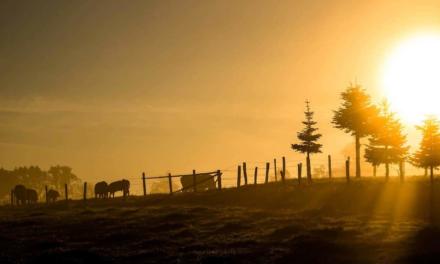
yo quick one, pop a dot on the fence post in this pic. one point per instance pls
(283, 175)
(45, 189)
(267, 173)
(299, 173)
(238, 176)
(85, 191)
(144, 186)
(219, 180)
(329, 166)
(245, 173)
(347, 169)
(275, 168)
(170, 183)
(12, 197)
(66, 192)
(194, 181)
(255, 175)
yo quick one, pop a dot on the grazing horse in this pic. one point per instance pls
(52, 196)
(203, 182)
(117, 186)
(20, 194)
(31, 196)
(101, 190)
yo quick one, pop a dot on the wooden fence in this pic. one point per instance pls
(206, 180)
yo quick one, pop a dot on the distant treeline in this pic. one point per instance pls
(36, 178)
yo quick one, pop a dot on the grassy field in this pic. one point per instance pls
(366, 221)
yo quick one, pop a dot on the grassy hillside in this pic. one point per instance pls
(366, 221)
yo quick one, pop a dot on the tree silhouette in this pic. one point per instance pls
(60, 175)
(355, 116)
(308, 139)
(387, 142)
(428, 155)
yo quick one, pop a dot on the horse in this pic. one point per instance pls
(101, 190)
(203, 182)
(123, 185)
(20, 194)
(52, 195)
(31, 196)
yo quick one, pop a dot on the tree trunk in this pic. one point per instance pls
(387, 171)
(432, 173)
(358, 156)
(309, 169)
(374, 170)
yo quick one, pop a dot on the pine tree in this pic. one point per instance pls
(308, 139)
(387, 142)
(354, 117)
(428, 155)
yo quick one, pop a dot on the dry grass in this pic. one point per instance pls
(366, 221)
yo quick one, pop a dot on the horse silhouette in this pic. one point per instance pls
(52, 196)
(20, 194)
(123, 185)
(101, 190)
(203, 182)
(31, 196)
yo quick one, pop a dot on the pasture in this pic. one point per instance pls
(364, 221)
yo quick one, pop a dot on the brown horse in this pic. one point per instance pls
(20, 194)
(52, 196)
(101, 190)
(31, 196)
(123, 185)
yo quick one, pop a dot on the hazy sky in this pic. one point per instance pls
(114, 88)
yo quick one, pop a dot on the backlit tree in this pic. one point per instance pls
(354, 116)
(428, 155)
(387, 144)
(308, 139)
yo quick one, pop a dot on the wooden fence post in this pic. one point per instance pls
(283, 174)
(194, 181)
(238, 176)
(144, 186)
(245, 173)
(66, 193)
(45, 189)
(347, 169)
(267, 173)
(255, 175)
(299, 173)
(275, 168)
(329, 166)
(219, 180)
(85, 191)
(12, 197)
(170, 183)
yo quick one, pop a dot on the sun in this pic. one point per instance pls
(411, 78)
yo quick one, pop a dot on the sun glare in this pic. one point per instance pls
(411, 78)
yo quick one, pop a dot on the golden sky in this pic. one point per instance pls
(114, 88)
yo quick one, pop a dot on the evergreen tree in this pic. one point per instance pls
(355, 116)
(308, 139)
(428, 155)
(387, 142)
